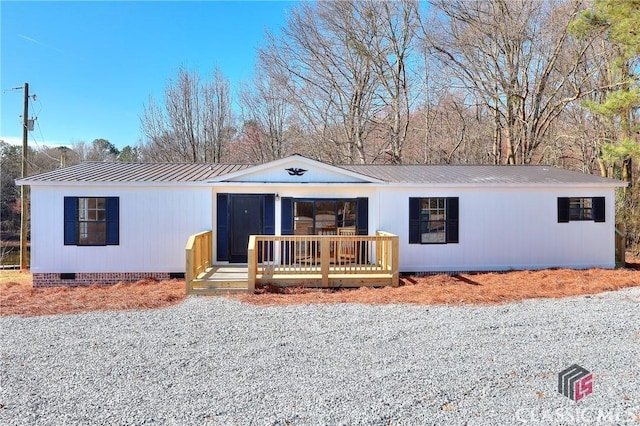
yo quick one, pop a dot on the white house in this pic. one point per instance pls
(110, 222)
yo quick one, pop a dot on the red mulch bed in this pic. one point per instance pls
(482, 288)
(18, 297)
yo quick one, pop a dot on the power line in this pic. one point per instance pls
(41, 148)
(31, 100)
(13, 89)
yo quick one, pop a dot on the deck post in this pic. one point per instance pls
(395, 260)
(252, 264)
(378, 246)
(325, 259)
(208, 249)
(188, 273)
(188, 276)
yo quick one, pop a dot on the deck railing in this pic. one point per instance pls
(199, 252)
(323, 259)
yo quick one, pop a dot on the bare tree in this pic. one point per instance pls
(347, 70)
(193, 125)
(266, 114)
(97, 150)
(458, 132)
(322, 60)
(581, 133)
(217, 117)
(515, 58)
(393, 25)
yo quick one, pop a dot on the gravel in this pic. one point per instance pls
(218, 361)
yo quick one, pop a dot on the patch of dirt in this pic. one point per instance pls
(18, 297)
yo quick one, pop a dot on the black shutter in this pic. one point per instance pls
(362, 216)
(598, 209)
(452, 212)
(70, 221)
(268, 202)
(222, 236)
(269, 215)
(563, 209)
(286, 216)
(414, 220)
(113, 220)
(286, 225)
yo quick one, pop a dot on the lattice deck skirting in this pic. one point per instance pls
(89, 278)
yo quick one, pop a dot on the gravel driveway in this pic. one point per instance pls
(216, 361)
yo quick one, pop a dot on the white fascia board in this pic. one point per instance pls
(298, 159)
(298, 185)
(507, 185)
(115, 184)
(380, 184)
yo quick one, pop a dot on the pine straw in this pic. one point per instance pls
(22, 299)
(483, 288)
(17, 297)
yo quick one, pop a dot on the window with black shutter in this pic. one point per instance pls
(433, 220)
(91, 221)
(581, 209)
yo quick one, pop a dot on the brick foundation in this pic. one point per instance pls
(89, 278)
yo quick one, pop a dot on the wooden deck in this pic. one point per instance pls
(234, 279)
(328, 261)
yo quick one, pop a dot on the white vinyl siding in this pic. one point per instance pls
(155, 223)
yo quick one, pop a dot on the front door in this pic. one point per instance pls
(245, 220)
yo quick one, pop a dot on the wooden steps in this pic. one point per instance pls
(220, 280)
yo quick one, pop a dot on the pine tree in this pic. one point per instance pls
(617, 23)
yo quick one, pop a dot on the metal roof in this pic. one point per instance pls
(136, 172)
(478, 174)
(109, 172)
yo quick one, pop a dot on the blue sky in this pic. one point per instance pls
(92, 65)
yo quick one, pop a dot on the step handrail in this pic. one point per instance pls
(199, 257)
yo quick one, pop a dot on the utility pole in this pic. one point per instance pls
(24, 191)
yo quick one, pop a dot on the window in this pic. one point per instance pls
(323, 216)
(433, 220)
(581, 208)
(91, 221)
